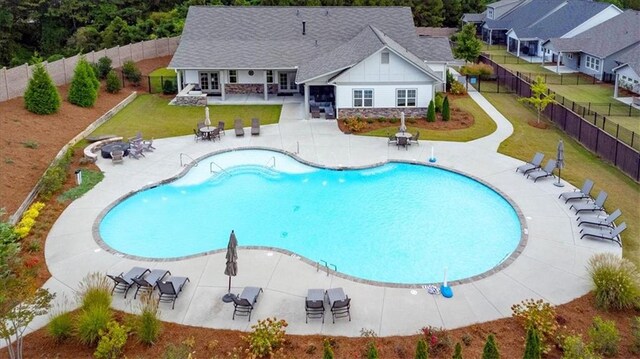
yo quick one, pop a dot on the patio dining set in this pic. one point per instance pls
(205, 131)
(403, 139)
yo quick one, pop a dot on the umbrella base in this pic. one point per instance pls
(558, 184)
(228, 298)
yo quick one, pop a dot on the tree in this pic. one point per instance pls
(327, 351)
(490, 350)
(540, 98)
(83, 91)
(42, 95)
(422, 351)
(457, 354)
(446, 110)
(85, 39)
(532, 349)
(104, 66)
(372, 351)
(431, 112)
(116, 33)
(113, 82)
(452, 12)
(131, 72)
(428, 13)
(467, 45)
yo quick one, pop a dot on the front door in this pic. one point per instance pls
(209, 82)
(287, 82)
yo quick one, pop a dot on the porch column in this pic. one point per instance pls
(223, 81)
(266, 87)
(615, 87)
(518, 49)
(490, 38)
(306, 101)
(179, 73)
(558, 62)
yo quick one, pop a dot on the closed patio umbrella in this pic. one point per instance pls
(559, 162)
(231, 268)
(207, 120)
(403, 127)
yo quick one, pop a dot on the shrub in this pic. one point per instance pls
(168, 87)
(483, 70)
(53, 179)
(438, 102)
(113, 82)
(541, 316)
(635, 335)
(111, 341)
(431, 112)
(104, 67)
(372, 351)
(450, 81)
(574, 348)
(83, 91)
(354, 124)
(9, 248)
(90, 322)
(327, 352)
(60, 326)
(467, 339)
(458, 88)
(615, 281)
(132, 73)
(457, 353)
(148, 326)
(422, 350)
(23, 227)
(446, 110)
(41, 96)
(604, 336)
(95, 291)
(267, 336)
(532, 348)
(438, 339)
(490, 350)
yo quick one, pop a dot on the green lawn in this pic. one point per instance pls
(623, 192)
(482, 126)
(158, 76)
(154, 117)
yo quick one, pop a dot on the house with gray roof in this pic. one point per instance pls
(628, 72)
(349, 61)
(494, 11)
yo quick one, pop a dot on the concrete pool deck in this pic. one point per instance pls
(551, 267)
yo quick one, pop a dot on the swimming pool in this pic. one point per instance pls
(397, 223)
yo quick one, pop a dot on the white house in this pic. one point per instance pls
(345, 61)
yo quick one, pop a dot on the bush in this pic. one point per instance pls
(132, 73)
(327, 352)
(90, 322)
(457, 353)
(604, 336)
(104, 67)
(9, 248)
(168, 87)
(490, 350)
(635, 335)
(95, 291)
(431, 112)
(438, 102)
(83, 91)
(450, 81)
(574, 348)
(457, 88)
(532, 348)
(113, 82)
(615, 281)
(267, 336)
(29, 216)
(53, 179)
(372, 351)
(541, 316)
(354, 125)
(422, 350)
(111, 341)
(438, 339)
(41, 96)
(483, 70)
(148, 326)
(60, 327)
(446, 110)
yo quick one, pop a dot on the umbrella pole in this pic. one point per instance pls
(228, 298)
(559, 184)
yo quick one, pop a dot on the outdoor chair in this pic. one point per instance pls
(547, 171)
(221, 127)
(255, 126)
(402, 142)
(135, 150)
(198, 135)
(415, 139)
(124, 281)
(611, 234)
(393, 140)
(170, 289)
(583, 193)
(314, 304)
(148, 145)
(341, 309)
(530, 166)
(214, 134)
(315, 112)
(330, 113)
(117, 156)
(599, 221)
(598, 205)
(243, 303)
(200, 125)
(237, 126)
(148, 283)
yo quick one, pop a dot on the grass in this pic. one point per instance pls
(482, 126)
(154, 117)
(89, 180)
(158, 76)
(623, 192)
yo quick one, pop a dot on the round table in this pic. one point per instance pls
(206, 130)
(114, 146)
(407, 135)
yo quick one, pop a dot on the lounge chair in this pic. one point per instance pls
(612, 234)
(415, 139)
(547, 171)
(530, 166)
(598, 205)
(314, 304)
(117, 156)
(149, 282)
(124, 281)
(169, 289)
(243, 303)
(583, 193)
(339, 302)
(221, 127)
(403, 142)
(255, 126)
(237, 126)
(599, 221)
(199, 135)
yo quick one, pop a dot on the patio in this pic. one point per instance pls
(254, 99)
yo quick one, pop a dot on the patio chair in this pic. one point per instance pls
(530, 166)
(170, 289)
(598, 205)
(243, 303)
(135, 150)
(415, 139)
(599, 221)
(314, 304)
(611, 234)
(200, 125)
(214, 134)
(147, 145)
(547, 171)
(237, 126)
(255, 126)
(582, 193)
(117, 156)
(198, 135)
(221, 127)
(393, 140)
(124, 281)
(315, 112)
(148, 283)
(402, 142)
(330, 113)
(341, 309)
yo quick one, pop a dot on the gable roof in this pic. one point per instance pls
(631, 58)
(500, 8)
(433, 48)
(604, 39)
(471, 17)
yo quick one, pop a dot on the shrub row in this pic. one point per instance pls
(29, 216)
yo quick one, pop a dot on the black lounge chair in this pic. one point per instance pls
(243, 303)
(124, 281)
(530, 166)
(600, 221)
(221, 128)
(149, 282)
(598, 205)
(611, 234)
(582, 193)
(255, 126)
(170, 289)
(237, 126)
(339, 302)
(402, 142)
(547, 171)
(314, 305)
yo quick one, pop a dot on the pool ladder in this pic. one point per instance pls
(183, 163)
(326, 266)
(222, 170)
(272, 159)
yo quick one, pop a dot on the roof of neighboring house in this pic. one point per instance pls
(271, 37)
(436, 31)
(604, 39)
(631, 57)
(432, 49)
(470, 17)
(499, 9)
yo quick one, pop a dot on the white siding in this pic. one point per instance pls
(245, 78)
(599, 18)
(191, 77)
(383, 95)
(371, 70)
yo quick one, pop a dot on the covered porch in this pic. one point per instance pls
(254, 99)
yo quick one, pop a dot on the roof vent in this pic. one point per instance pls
(326, 13)
(298, 12)
(316, 42)
(304, 28)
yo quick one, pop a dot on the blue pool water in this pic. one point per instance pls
(398, 223)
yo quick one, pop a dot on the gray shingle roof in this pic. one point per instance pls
(524, 15)
(470, 17)
(271, 37)
(436, 31)
(631, 57)
(433, 48)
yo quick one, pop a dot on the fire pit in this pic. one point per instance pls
(108, 148)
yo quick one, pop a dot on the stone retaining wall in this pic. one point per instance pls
(249, 88)
(386, 112)
(190, 100)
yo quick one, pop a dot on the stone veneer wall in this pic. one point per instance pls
(386, 112)
(249, 88)
(190, 100)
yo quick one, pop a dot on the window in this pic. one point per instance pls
(570, 56)
(593, 63)
(384, 58)
(233, 76)
(269, 76)
(406, 97)
(362, 98)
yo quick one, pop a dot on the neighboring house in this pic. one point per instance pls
(365, 61)
(494, 11)
(628, 72)
(599, 50)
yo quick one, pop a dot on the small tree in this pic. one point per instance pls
(533, 348)
(490, 350)
(327, 351)
(132, 73)
(112, 341)
(450, 80)
(431, 112)
(422, 350)
(113, 82)
(42, 96)
(372, 351)
(467, 46)
(104, 67)
(540, 98)
(83, 91)
(446, 110)
(438, 102)
(168, 87)
(457, 354)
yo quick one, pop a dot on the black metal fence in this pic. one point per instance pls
(609, 140)
(154, 84)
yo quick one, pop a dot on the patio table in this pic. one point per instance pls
(206, 130)
(407, 135)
